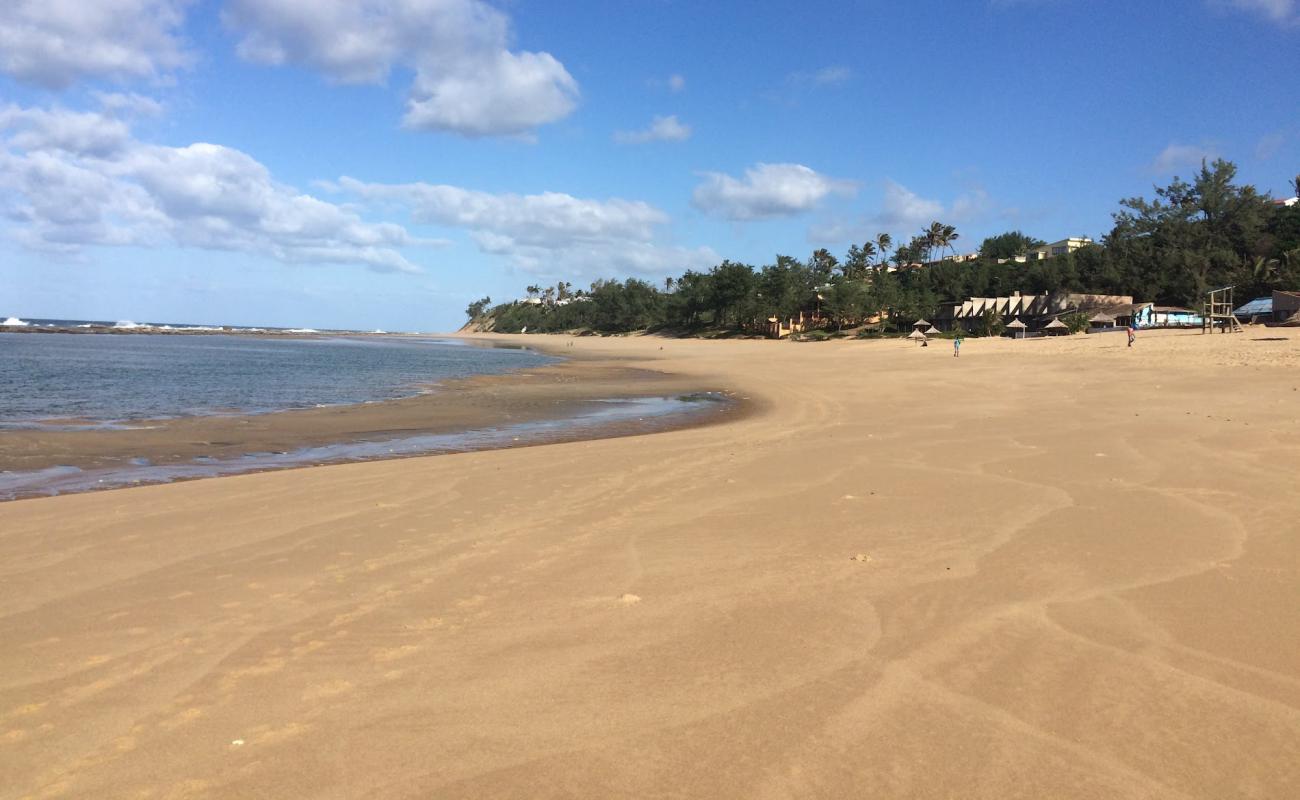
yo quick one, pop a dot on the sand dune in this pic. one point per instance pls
(1045, 569)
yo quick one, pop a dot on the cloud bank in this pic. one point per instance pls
(766, 191)
(54, 43)
(551, 232)
(71, 179)
(467, 79)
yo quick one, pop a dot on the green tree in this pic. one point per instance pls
(846, 303)
(822, 264)
(1008, 245)
(733, 288)
(475, 309)
(1191, 237)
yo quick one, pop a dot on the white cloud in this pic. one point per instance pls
(73, 179)
(508, 94)
(550, 232)
(1178, 155)
(826, 76)
(129, 104)
(76, 133)
(1283, 12)
(662, 129)
(767, 190)
(903, 208)
(1269, 146)
(467, 80)
(676, 83)
(54, 43)
(904, 212)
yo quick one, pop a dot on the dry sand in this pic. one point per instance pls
(1048, 569)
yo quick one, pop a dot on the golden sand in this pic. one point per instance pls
(1047, 569)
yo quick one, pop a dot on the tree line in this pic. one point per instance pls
(1193, 236)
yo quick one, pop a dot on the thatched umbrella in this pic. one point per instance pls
(920, 323)
(1017, 327)
(1056, 327)
(916, 336)
(932, 331)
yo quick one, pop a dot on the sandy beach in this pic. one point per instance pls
(1055, 568)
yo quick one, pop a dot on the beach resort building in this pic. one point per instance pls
(1154, 316)
(1061, 248)
(1035, 310)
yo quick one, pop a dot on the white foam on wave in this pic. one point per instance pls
(127, 325)
(302, 330)
(14, 322)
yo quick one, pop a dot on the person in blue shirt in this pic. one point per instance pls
(956, 346)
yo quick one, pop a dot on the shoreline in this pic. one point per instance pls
(547, 397)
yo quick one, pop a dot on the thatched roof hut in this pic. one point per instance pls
(1056, 328)
(1016, 324)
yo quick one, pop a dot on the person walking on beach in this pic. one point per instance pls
(1132, 333)
(956, 347)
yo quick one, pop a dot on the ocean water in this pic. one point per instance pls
(72, 380)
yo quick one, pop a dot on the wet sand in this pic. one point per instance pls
(542, 393)
(1045, 569)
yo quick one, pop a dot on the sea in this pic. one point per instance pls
(86, 381)
(67, 379)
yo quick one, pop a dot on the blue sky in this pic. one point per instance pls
(380, 163)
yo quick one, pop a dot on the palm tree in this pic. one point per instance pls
(931, 236)
(868, 255)
(947, 235)
(668, 283)
(883, 242)
(533, 290)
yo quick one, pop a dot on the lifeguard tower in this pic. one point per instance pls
(1218, 312)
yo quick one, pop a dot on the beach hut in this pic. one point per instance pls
(1056, 328)
(1017, 328)
(1101, 321)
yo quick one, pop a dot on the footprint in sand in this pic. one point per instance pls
(629, 599)
(184, 718)
(30, 708)
(321, 691)
(394, 653)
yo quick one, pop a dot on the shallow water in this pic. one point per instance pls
(73, 381)
(629, 415)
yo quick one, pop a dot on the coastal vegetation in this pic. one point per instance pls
(1194, 235)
